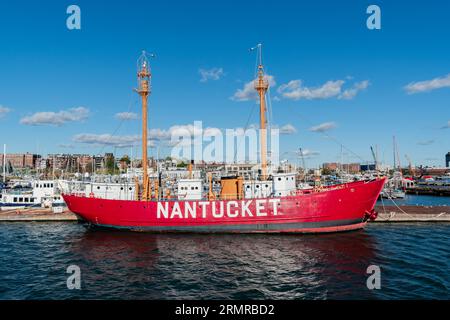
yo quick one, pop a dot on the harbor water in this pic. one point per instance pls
(414, 260)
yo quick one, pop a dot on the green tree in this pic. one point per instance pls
(182, 164)
(110, 165)
(125, 159)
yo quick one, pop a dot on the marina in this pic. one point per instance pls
(219, 157)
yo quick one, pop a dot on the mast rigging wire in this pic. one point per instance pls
(329, 137)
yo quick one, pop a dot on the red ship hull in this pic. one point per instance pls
(338, 208)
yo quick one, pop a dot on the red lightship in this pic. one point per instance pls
(270, 204)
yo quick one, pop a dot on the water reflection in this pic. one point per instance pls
(150, 266)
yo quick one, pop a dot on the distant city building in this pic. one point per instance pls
(70, 162)
(20, 160)
(98, 162)
(42, 164)
(447, 159)
(434, 171)
(345, 167)
(368, 167)
(332, 166)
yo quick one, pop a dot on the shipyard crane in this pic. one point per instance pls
(396, 156)
(411, 169)
(303, 163)
(374, 158)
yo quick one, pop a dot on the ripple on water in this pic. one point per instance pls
(414, 261)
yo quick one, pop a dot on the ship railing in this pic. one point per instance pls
(17, 192)
(78, 194)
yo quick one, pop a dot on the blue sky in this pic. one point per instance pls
(331, 73)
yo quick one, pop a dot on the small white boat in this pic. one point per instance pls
(41, 193)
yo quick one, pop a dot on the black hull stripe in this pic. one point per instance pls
(274, 227)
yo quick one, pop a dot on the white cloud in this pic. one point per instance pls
(323, 127)
(295, 90)
(306, 153)
(353, 91)
(56, 118)
(447, 126)
(425, 143)
(154, 135)
(65, 145)
(428, 85)
(107, 139)
(210, 74)
(288, 129)
(248, 92)
(127, 116)
(4, 111)
(168, 137)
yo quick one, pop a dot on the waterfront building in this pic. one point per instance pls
(21, 160)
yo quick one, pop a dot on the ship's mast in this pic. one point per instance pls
(4, 163)
(261, 86)
(144, 89)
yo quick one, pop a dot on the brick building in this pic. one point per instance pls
(20, 160)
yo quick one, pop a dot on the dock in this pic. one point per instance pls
(413, 214)
(432, 190)
(36, 215)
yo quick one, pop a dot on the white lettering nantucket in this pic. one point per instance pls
(217, 209)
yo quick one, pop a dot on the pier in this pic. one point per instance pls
(36, 215)
(432, 189)
(412, 214)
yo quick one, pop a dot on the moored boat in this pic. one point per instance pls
(272, 203)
